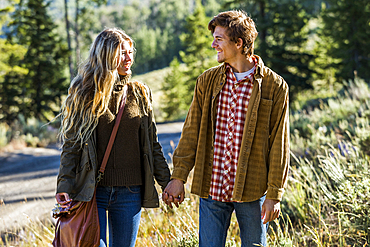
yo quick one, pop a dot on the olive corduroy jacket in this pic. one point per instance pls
(79, 166)
(264, 155)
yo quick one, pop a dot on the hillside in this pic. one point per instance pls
(154, 80)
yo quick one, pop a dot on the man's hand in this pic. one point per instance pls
(63, 199)
(174, 193)
(270, 210)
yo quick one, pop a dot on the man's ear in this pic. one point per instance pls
(239, 43)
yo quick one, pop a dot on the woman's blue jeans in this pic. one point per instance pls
(214, 222)
(122, 206)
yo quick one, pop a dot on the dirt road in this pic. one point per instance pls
(28, 179)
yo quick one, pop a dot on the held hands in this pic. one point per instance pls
(174, 193)
(63, 199)
(270, 210)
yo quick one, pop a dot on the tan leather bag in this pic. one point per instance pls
(78, 223)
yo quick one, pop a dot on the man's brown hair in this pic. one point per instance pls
(239, 25)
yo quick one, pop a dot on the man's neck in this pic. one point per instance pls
(242, 64)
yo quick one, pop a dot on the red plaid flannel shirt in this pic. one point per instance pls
(231, 111)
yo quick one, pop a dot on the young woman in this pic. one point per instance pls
(88, 117)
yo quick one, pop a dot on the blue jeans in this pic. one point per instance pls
(214, 222)
(123, 205)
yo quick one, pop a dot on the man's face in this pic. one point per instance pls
(125, 59)
(226, 49)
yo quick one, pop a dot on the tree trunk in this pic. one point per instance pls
(68, 40)
(77, 34)
(262, 12)
(263, 29)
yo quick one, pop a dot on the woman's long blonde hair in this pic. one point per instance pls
(89, 92)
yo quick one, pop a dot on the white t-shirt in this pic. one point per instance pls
(240, 76)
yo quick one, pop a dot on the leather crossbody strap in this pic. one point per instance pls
(113, 135)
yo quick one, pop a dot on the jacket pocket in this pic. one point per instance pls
(262, 134)
(85, 160)
(264, 114)
(149, 194)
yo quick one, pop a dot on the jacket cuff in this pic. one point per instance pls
(180, 173)
(64, 187)
(275, 193)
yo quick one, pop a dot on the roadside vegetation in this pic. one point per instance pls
(327, 199)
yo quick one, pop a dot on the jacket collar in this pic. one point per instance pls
(123, 79)
(259, 70)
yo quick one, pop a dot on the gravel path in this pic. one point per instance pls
(28, 179)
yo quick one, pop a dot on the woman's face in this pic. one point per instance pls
(125, 59)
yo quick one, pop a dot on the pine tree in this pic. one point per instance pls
(198, 53)
(284, 48)
(346, 23)
(10, 57)
(197, 57)
(10, 92)
(174, 90)
(45, 60)
(281, 38)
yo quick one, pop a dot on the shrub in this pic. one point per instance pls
(32, 132)
(4, 133)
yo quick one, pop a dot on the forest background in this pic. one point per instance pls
(321, 48)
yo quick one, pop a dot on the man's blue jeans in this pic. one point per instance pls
(123, 205)
(214, 222)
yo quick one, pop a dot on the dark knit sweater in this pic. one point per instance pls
(123, 167)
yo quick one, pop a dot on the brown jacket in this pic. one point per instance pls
(264, 155)
(79, 167)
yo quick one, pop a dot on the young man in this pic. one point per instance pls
(236, 137)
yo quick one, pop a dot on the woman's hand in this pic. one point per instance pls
(63, 199)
